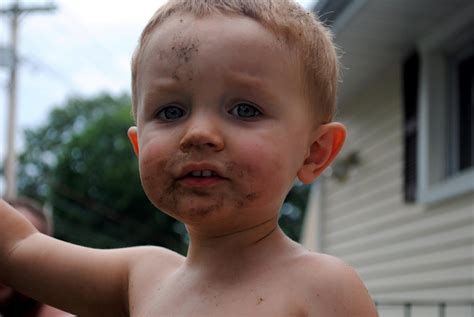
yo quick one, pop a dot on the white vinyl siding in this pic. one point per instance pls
(402, 251)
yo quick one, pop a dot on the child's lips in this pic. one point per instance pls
(200, 175)
(191, 181)
(200, 167)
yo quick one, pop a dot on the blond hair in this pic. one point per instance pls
(300, 29)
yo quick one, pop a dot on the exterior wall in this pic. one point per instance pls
(402, 252)
(312, 226)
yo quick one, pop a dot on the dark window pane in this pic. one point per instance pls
(410, 98)
(466, 94)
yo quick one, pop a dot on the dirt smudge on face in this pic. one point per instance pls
(233, 168)
(183, 50)
(251, 196)
(202, 212)
(193, 204)
(175, 75)
(244, 174)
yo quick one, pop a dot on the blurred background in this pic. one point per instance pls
(397, 205)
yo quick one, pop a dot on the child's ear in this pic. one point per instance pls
(327, 143)
(133, 136)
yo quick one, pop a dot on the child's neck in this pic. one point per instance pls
(252, 245)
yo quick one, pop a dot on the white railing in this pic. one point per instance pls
(439, 308)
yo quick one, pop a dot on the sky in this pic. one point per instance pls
(82, 48)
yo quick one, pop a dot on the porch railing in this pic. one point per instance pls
(441, 306)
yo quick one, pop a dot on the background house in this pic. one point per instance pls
(398, 205)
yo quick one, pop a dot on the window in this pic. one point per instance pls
(461, 140)
(445, 134)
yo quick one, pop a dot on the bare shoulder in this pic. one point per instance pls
(145, 254)
(150, 261)
(149, 266)
(333, 287)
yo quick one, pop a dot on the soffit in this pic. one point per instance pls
(377, 34)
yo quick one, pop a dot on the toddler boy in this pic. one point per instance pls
(233, 99)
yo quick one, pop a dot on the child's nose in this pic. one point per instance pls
(202, 135)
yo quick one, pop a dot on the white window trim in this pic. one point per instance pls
(432, 185)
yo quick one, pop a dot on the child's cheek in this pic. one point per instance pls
(268, 168)
(153, 169)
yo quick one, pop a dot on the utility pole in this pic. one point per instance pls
(14, 11)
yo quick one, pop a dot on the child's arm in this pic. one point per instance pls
(84, 281)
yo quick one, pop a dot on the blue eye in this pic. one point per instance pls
(170, 113)
(245, 110)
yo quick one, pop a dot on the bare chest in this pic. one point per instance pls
(238, 298)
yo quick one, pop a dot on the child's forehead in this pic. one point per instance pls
(187, 31)
(234, 42)
(235, 53)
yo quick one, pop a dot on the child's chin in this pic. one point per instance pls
(198, 211)
(190, 207)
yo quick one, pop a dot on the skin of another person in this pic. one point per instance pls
(218, 93)
(7, 293)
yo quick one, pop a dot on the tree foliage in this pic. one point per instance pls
(80, 162)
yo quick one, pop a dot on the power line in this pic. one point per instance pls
(14, 12)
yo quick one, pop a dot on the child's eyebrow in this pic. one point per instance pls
(245, 79)
(160, 86)
(165, 83)
(251, 83)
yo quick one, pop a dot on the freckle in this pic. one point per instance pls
(251, 196)
(230, 167)
(239, 204)
(181, 20)
(176, 76)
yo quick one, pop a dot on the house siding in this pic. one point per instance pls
(405, 252)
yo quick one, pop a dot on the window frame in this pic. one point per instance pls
(434, 99)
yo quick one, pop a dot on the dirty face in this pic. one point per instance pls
(222, 121)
